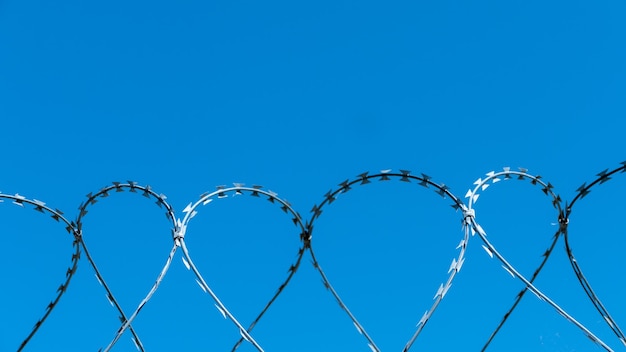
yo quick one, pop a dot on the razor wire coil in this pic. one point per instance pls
(469, 219)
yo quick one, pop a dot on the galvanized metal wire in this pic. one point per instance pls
(466, 211)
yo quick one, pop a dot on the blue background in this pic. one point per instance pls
(298, 97)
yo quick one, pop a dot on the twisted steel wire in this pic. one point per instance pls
(56, 215)
(386, 175)
(583, 191)
(493, 177)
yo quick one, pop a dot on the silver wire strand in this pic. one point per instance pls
(161, 202)
(304, 228)
(386, 175)
(70, 227)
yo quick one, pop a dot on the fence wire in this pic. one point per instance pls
(465, 207)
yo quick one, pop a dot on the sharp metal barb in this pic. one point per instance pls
(178, 228)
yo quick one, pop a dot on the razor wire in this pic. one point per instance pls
(71, 228)
(469, 221)
(583, 191)
(223, 192)
(506, 174)
(92, 199)
(386, 175)
(482, 184)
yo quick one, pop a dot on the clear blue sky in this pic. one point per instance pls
(299, 97)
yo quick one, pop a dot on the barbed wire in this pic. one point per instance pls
(223, 192)
(92, 199)
(71, 228)
(469, 221)
(386, 175)
(482, 184)
(583, 191)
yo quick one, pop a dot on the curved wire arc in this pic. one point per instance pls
(470, 224)
(556, 203)
(582, 191)
(385, 175)
(222, 192)
(92, 199)
(70, 227)
(494, 177)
